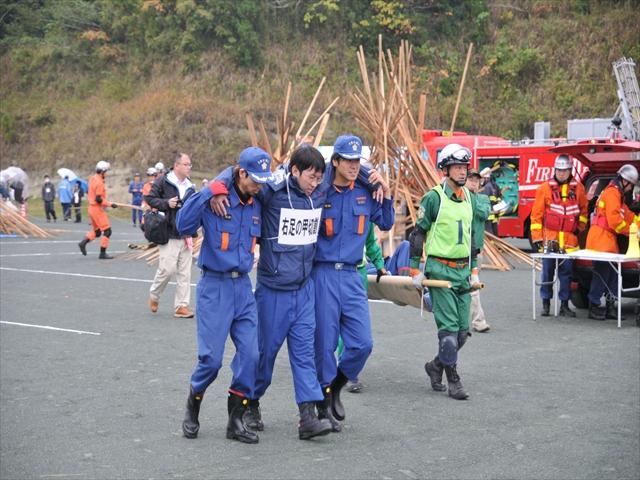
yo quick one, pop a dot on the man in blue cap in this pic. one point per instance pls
(224, 297)
(285, 294)
(341, 300)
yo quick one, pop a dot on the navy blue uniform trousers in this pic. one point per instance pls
(226, 306)
(288, 315)
(342, 309)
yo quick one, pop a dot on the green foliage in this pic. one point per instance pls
(133, 78)
(8, 128)
(118, 87)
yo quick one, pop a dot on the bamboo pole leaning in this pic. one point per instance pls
(382, 107)
(11, 223)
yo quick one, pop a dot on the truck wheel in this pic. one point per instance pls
(579, 297)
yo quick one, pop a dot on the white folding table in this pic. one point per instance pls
(615, 260)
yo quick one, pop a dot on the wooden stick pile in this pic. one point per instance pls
(286, 139)
(150, 253)
(11, 223)
(382, 107)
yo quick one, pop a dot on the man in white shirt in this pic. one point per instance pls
(168, 193)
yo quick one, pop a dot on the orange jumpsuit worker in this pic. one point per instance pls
(152, 174)
(99, 219)
(611, 218)
(558, 214)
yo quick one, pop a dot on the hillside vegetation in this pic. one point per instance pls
(130, 80)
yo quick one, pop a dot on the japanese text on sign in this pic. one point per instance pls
(299, 227)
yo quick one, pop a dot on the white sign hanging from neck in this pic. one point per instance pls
(299, 227)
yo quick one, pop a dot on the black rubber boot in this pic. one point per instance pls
(565, 311)
(83, 246)
(456, 390)
(434, 369)
(546, 307)
(236, 428)
(104, 255)
(336, 405)
(310, 425)
(253, 416)
(611, 311)
(596, 312)
(324, 410)
(190, 424)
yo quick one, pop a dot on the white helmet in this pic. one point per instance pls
(629, 173)
(453, 154)
(159, 167)
(151, 171)
(102, 166)
(563, 162)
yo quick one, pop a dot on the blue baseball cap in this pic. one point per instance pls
(257, 163)
(349, 147)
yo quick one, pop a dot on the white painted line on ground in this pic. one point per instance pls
(84, 275)
(104, 277)
(42, 242)
(50, 254)
(46, 327)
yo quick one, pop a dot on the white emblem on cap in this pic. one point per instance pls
(354, 145)
(263, 163)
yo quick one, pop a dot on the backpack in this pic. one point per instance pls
(156, 227)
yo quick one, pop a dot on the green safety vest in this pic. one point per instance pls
(450, 234)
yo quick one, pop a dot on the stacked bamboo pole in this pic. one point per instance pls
(11, 223)
(150, 253)
(287, 140)
(382, 106)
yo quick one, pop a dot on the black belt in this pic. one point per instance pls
(340, 266)
(212, 273)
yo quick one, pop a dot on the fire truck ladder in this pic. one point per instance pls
(629, 96)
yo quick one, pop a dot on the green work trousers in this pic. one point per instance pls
(450, 305)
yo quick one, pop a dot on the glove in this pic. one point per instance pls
(538, 246)
(475, 278)
(417, 280)
(380, 273)
(98, 199)
(113, 205)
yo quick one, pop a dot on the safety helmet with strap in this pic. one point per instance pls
(563, 162)
(629, 173)
(102, 166)
(453, 154)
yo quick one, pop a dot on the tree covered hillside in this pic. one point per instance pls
(131, 80)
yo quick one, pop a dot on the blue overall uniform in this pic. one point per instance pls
(224, 299)
(285, 293)
(135, 189)
(341, 300)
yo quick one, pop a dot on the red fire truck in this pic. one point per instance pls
(518, 168)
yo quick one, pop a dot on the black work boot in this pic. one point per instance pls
(546, 307)
(104, 255)
(336, 405)
(611, 311)
(324, 410)
(236, 428)
(83, 246)
(253, 416)
(596, 311)
(565, 311)
(190, 424)
(456, 390)
(434, 369)
(310, 425)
